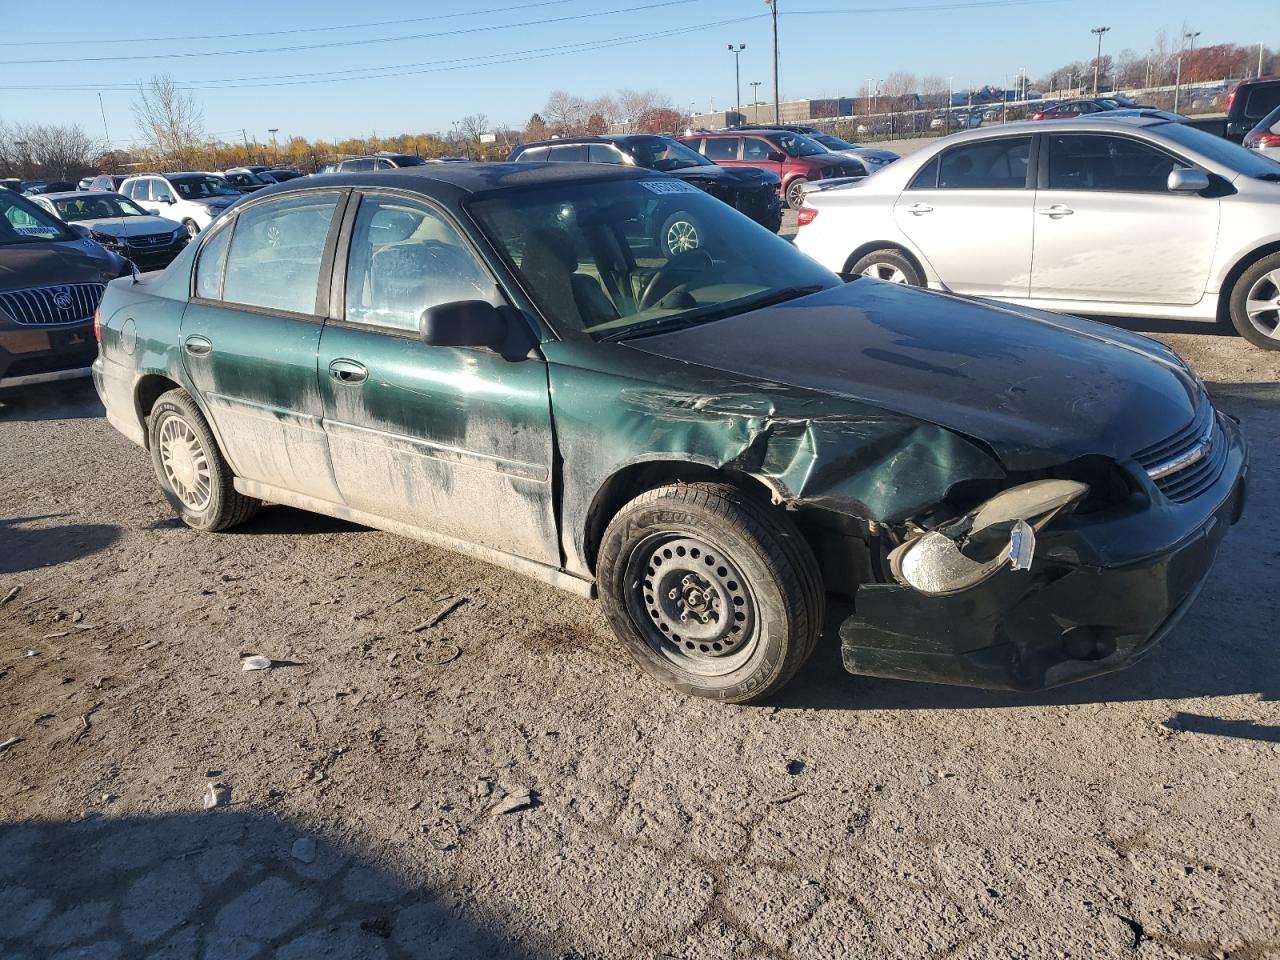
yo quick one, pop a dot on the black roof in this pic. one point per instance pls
(594, 138)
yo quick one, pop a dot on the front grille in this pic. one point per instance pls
(151, 240)
(1186, 464)
(50, 306)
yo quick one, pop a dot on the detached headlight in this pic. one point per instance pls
(109, 241)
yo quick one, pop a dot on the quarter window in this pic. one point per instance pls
(986, 165)
(1085, 162)
(721, 148)
(405, 257)
(275, 255)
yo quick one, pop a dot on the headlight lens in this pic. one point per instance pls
(108, 241)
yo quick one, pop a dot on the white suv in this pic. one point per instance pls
(193, 199)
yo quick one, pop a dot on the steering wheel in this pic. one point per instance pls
(667, 277)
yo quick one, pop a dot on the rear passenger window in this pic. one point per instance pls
(986, 165)
(405, 257)
(275, 255)
(570, 152)
(721, 148)
(604, 153)
(213, 256)
(533, 155)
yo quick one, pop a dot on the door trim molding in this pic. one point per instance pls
(340, 430)
(530, 568)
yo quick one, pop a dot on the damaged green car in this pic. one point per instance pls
(498, 359)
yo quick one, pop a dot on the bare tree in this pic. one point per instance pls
(474, 125)
(169, 119)
(47, 150)
(565, 112)
(932, 90)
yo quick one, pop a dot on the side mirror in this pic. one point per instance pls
(1184, 180)
(776, 156)
(463, 323)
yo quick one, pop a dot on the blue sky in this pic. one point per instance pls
(823, 54)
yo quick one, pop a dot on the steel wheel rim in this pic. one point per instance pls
(1262, 304)
(186, 463)
(692, 604)
(682, 236)
(888, 272)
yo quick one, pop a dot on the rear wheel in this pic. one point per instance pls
(712, 593)
(890, 265)
(795, 193)
(193, 475)
(1255, 303)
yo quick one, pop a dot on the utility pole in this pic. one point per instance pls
(737, 77)
(773, 10)
(1097, 61)
(105, 132)
(1259, 59)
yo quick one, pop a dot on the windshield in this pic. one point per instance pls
(627, 258)
(202, 187)
(833, 143)
(796, 144)
(100, 207)
(21, 221)
(1251, 163)
(663, 153)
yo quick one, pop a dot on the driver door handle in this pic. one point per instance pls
(919, 209)
(348, 371)
(198, 346)
(1057, 211)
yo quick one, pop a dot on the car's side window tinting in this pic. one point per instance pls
(604, 153)
(571, 152)
(1261, 101)
(405, 257)
(927, 177)
(533, 155)
(275, 255)
(1089, 162)
(722, 148)
(986, 165)
(213, 257)
(753, 148)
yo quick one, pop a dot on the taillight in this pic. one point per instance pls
(1037, 116)
(1231, 98)
(805, 216)
(1263, 141)
(97, 323)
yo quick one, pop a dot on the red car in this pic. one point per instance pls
(1071, 108)
(792, 156)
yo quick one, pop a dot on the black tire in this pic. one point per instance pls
(681, 232)
(795, 192)
(744, 557)
(1262, 280)
(210, 502)
(193, 228)
(889, 264)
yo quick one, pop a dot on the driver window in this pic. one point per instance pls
(756, 149)
(405, 257)
(1081, 162)
(160, 190)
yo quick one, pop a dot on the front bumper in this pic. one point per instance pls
(1065, 620)
(38, 354)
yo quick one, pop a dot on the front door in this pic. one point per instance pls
(454, 440)
(968, 211)
(1107, 227)
(250, 336)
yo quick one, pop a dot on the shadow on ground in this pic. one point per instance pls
(217, 884)
(27, 543)
(70, 400)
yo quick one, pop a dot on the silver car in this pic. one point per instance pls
(1265, 137)
(1105, 215)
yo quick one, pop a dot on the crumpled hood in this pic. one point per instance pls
(1037, 388)
(24, 265)
(727, 176)
(131, 226)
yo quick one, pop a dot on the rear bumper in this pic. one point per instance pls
(37, 354)
(1056, 624)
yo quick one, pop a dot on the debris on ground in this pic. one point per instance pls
(216, 795)
(149, 645)
(255, 661)
(517, 800)
(795, 768)
(11, 595)
(441, 614)
(304, 850)
(447, 655)
(9, 743)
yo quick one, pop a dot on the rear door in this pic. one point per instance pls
(251, 332)
(1107, 227)
(722, 150)
(455, 440)
(969, 212)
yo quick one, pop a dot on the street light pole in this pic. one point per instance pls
(1097, 61)
(737, 77)
(773, 10)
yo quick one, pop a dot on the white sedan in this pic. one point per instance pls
(1120, 216)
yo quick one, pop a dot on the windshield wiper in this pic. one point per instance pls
(718, 311)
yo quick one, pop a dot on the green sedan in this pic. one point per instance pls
(499, 360)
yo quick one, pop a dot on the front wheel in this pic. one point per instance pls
(681, 232)
(795, 193)
(193, 228)
(193, 475)
(713, 594)
(889, 265)
(1255, 303)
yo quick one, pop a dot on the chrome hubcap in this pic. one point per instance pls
(682, 237)
(1262, 305)
(692, 604)
(186, 464)
(886, 272)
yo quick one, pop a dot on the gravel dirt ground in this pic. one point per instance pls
(504, 783)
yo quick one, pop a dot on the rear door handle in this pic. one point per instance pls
(348, 371)
(1057, 211)
(919, 209)
(198, 346)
